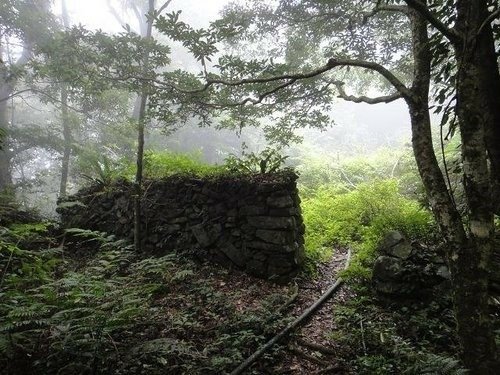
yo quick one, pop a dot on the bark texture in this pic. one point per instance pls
(468, 251)
(470, 263)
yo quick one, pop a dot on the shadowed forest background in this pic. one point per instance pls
(388, 112)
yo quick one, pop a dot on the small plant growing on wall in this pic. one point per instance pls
(267, 161)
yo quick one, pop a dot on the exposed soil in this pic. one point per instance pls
(311, 350)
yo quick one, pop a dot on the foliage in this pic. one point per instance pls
(116, 312)
(347, 173)
(99, 167)
(359, 219)
(267, 161)
(414, 338)
(162, 164)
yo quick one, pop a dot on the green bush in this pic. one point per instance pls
(163, 164)
(359, 218)
(347, 174)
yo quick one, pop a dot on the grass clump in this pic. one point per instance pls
(164, 164)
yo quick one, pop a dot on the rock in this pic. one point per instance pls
(252, 222)
(406, 269)
(274, 236)
(173, 213)
(267, 222)
(179, 220)
(443, 272)
(395, 244)
(206, 235)
(262, 245)
(236, 255)
(252, 210)
(280, 202)
(291, 211)
(387, 268)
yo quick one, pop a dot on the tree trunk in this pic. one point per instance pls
(65, 121)
(470, 264)
(141, 122)
(487, 76)
(139, 171)
(6, 90)
(467, 255)
(67, 141)
(5, 154)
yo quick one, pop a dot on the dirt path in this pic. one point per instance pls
(311, 349)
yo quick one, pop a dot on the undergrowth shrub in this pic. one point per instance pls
(411, 339)
(164, 164)
(359, 219)
(118, 312)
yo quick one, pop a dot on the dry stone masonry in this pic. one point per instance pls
(252, 222)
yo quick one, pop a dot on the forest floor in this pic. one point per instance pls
(85, 303)
(311, 349)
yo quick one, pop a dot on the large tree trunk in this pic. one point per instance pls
(467, 254)
(487, 77)
(471, 263)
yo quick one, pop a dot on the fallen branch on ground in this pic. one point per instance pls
(307, 356)
(315, 306)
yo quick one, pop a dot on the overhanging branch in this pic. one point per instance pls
(163, 7)
(385, 8)
(384, 72)
(423, 9)
(293, 78)
(40, 92)
(365, 99)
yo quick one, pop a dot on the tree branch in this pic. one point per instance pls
(115, 14)
(423, 9)
(140, 18)
(163, 7)
(384, 72)
(385, 8)
(292, 78)
(488, 19)
(365, 99)
(40, 92)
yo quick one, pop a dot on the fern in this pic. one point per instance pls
(432, 364)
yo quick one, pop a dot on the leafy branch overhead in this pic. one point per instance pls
(249, 90)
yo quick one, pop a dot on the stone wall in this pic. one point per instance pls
(250, 222)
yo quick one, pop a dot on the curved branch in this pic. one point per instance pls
(400, 87)
(488, 19)
(365, 99)
(289, 77)
(40, 92)
(423, 9)
(292, 78)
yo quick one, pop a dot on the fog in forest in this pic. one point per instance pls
(284, 187)
(356, 129)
